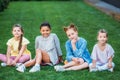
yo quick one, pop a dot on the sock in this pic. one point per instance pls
(37, 64)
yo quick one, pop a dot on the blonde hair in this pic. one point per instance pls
(20, 42)
(72, 26)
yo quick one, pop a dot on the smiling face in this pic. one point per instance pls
(17, 32)
(45, 31)
(72, 34)
(102, 38)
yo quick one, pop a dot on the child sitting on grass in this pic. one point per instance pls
(17, 51)
(78, 56)
(102, 54)
(47, 47)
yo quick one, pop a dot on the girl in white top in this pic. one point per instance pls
(17, 51)
(102, 54)
(47, 47)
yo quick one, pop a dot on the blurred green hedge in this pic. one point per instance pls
(40, 0)
(3, 4)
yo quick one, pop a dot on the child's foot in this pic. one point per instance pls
(50, 64)
(93, 69)
(45, 64)
(59, 68)
(21, 68)
(3, 64)
(18, 64)
(35, 69)
(110, 69)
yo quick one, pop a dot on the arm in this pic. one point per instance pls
(93, 63)
(8, 55)
(79, 51)
(20, 54)
(73, 42)
(57, 44)
(110, 62)
(36, 42)
(69, 55)
(110, 56)
(94, 56)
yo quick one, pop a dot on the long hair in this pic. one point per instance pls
(21, 37)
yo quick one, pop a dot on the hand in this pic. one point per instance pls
(93, 64)
(73, 41)
(13, 63)
(9, 62)
(109, 65)
(75, 60)
(80, 60)
(60, 59)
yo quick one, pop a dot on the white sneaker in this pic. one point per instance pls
(111, 69)
(93, 69)
(3, 64)
(35, 69)
(21, 68)
(18, 64)
(59, 68)
(50, 64)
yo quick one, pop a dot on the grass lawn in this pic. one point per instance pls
(88, 20)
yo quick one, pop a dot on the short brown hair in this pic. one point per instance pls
(103, 31)
(72, 26)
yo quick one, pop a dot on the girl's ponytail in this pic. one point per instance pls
(21, 37)
(20, 42)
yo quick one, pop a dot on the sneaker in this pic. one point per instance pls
(21, 68)
(18, 64)
(3, 64)
(35, 69)
(45, 64)
(93, 69)
(50, 64)
(111, 69)
(59, 68)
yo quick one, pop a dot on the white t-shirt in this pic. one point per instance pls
(100, 56)
(51, 45)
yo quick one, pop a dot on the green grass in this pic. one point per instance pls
(59, 14)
